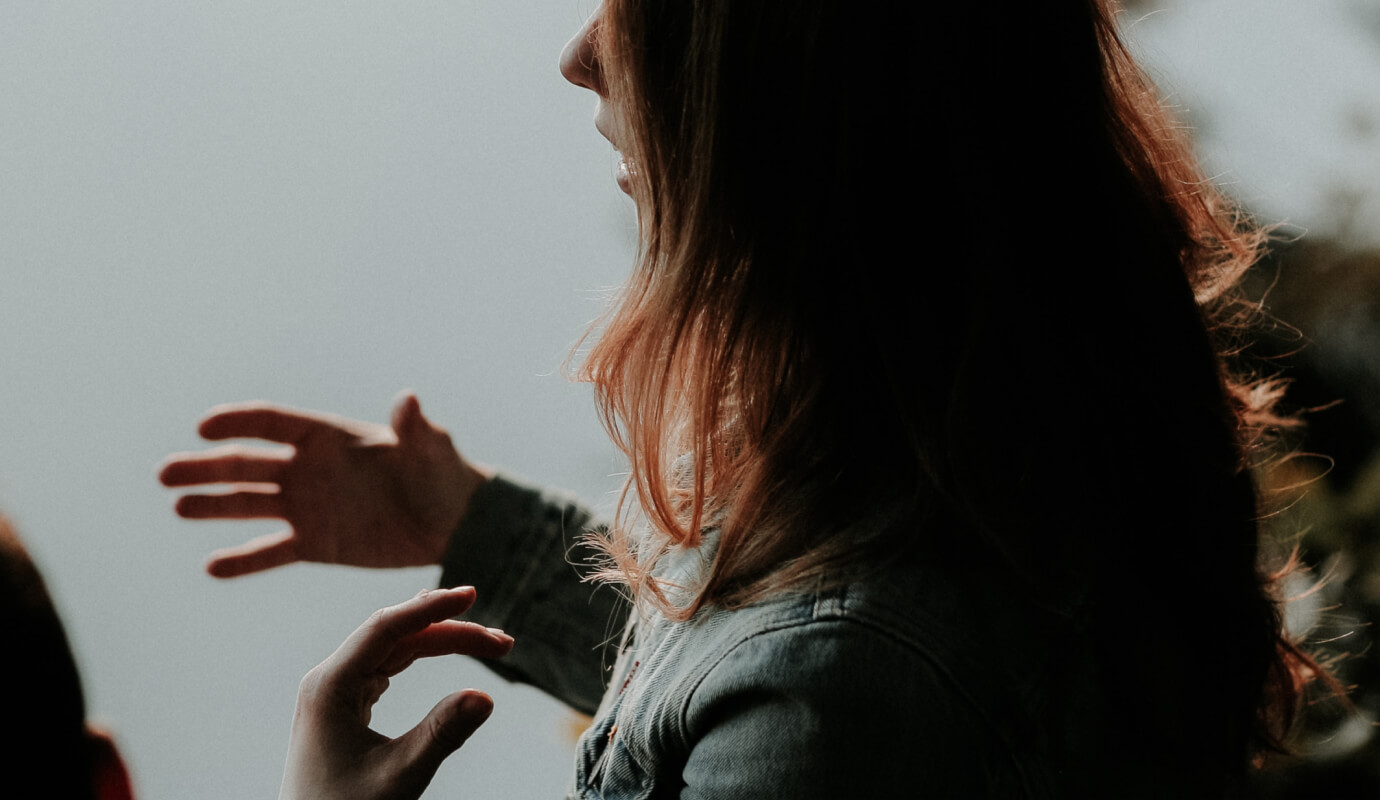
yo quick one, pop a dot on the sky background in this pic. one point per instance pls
(322, 204)
(1282, 97)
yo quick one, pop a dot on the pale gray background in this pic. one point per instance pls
(318, 203)
(321, 203)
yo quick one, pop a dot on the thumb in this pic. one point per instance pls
(415, 430)
(408, 422)
(442, 731)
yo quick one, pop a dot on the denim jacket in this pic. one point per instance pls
(913, 682)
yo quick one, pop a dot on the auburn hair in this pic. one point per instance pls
(943, 277)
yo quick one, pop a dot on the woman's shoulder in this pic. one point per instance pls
(966, 623)
(889, 639)
(891, 674)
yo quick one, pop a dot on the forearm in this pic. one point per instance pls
(523, 549)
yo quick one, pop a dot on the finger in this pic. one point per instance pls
(259, 420)
(245, 504)
(230, 463)
(255, 555)
(445, 638)
(441, 732)
(372, 643)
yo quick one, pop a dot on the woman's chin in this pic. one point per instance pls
(623, 175)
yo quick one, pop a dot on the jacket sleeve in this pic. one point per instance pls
(523, 551)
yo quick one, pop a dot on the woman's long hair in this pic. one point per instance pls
(951, 264)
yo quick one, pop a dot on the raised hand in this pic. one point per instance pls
(333, 754)
(351, 492)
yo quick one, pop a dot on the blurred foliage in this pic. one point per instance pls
(1322, 335)
(1324, 496)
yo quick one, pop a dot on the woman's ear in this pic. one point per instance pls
(109, 777)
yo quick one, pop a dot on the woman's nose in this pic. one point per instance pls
(579, 61)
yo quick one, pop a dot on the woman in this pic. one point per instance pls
(920, 379)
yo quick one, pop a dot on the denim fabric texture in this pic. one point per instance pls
(913, 682)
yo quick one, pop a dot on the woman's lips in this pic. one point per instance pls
(624, 171)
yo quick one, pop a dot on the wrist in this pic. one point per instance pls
(470, 477)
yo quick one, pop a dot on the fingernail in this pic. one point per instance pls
(477, 705)
(499, 632)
